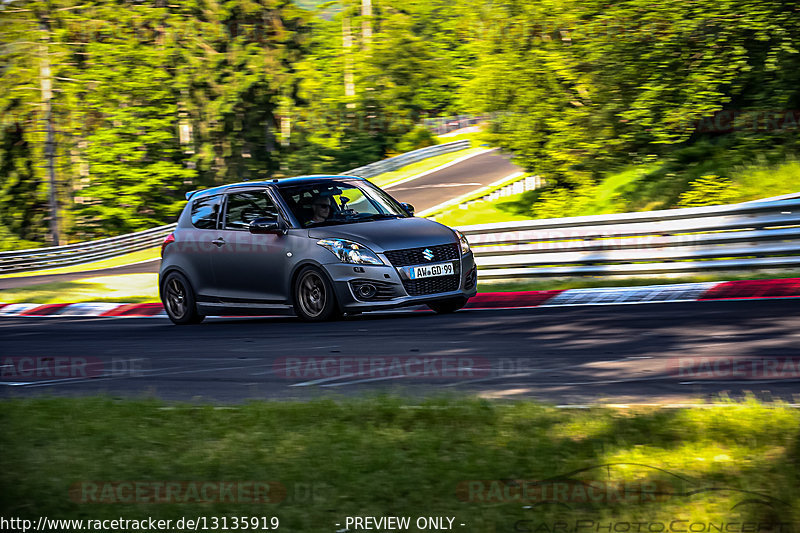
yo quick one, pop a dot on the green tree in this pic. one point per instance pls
(583, 85)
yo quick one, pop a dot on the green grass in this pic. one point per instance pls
(122, 260)
(385, 457)
(756, 182)
(475, 137)
(483, 212)
(610, 193)
(658, 185)
(127, 288)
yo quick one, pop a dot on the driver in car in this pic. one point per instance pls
(321, 209)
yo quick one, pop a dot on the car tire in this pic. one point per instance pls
(450, 305)
(313, 296)
(179, 300)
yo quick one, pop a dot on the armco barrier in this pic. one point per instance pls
(747, 236)
(84, 252)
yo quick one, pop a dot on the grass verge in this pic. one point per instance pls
(463, 458)
(127, 288)
(474, 136)
(483, 212)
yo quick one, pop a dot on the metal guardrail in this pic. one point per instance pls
(443, 125)
(399, 161)
(84, 252)
(763, 234)
(754, 235)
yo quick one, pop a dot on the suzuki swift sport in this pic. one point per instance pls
(315, 246)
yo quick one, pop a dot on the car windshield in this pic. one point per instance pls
(330, 202)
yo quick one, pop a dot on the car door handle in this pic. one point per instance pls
(219, 242)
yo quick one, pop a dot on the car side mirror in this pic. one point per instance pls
(408, 208)
(267, 225)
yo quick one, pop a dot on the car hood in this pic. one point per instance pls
(390, 234)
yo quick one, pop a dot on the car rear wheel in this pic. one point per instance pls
(179, 301)
(314, 299)
(450, 305)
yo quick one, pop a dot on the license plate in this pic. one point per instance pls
(429, 271)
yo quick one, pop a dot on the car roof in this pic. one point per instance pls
(287, 181)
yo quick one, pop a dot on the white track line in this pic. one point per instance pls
(437, 169)
(367, 380)
(321, 380)
(459, 199)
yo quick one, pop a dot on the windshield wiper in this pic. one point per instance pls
(352, 219)
(379, 216)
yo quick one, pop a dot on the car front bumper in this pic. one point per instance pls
(393, 286)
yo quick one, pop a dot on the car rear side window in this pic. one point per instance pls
(205, 211)
(245, 207)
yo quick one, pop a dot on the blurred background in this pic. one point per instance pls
(112, 110)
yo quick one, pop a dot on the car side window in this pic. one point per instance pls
(245, 207)
(205, 212)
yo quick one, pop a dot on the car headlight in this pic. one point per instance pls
(350, 252)
(462, 240)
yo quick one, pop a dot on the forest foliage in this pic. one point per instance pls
(153, 98)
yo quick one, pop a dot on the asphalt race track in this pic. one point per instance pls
(644, 353)
(464, 177)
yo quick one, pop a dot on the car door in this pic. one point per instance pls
(249, 268)
(195, 244)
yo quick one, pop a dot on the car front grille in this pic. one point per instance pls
(414, 256)
(419, 287)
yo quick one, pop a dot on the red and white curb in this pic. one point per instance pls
(681, 292)
(83, 309)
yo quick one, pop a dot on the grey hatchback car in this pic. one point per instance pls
(314, 246)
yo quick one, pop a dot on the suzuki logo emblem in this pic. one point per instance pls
(427, 253)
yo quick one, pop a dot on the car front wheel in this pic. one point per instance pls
(314, 299)
(450, 305)
(179, 301)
